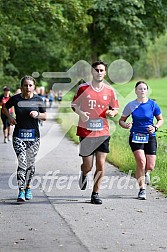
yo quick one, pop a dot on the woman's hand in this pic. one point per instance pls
(12, 121)
(128, 125)
(151, 129)
(34, 114)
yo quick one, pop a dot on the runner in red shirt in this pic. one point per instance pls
(94, 102)
(6, 124)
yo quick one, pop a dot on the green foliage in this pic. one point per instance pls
(35, 36)
(50, 36)
(153, 61)
(120, 27)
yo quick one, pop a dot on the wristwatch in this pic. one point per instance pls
(156, 128)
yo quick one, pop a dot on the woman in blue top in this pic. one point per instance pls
(142, 139)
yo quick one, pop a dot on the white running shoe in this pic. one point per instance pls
(147, 178)
(142, 194)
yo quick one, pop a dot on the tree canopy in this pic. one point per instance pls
(121, 27)
(51, 35)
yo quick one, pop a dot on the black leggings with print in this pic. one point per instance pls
(26, 152)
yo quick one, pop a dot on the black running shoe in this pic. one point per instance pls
(95, 199)
(82, 181)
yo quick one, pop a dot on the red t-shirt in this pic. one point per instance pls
(96, 102)
(3, 100)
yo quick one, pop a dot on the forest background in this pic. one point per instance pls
(38, 36)
(52, 35)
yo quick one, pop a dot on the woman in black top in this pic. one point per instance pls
(29, 108)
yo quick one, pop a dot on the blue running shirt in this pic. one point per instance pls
(142, 115)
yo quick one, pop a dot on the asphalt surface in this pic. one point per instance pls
(60, 216)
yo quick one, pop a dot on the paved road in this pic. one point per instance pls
(60, 216)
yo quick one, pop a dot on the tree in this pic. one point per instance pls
(32, 33)
(120, 27)
(153, 60)
(52, 35)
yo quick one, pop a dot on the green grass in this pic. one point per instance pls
(120, 153)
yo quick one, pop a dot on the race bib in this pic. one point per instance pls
(140, 138)
(95, 124)
(27, 134)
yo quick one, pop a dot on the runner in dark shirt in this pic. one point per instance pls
(29, 108)
(6, 124)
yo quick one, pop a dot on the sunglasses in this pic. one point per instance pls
(99, 70)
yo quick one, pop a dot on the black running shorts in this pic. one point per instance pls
(90, 145)
(149, 148)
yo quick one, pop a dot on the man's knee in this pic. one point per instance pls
(86, 167)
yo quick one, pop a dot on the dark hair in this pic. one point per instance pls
(27, 77)
(99, 62)
(139, 82)
(6, 88)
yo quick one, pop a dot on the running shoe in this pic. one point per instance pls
(147, 178)
(95, 199)
(82, 181)
(28, 194)
(21, 196)
(5, 140)
(142, 194)
(9, 139)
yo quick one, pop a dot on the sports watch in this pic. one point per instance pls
(156, 128)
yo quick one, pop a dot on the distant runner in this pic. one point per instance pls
(6, 124)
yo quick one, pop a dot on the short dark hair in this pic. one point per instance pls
(99, 62)
(139, 82)
(6, 88)
(27, 77)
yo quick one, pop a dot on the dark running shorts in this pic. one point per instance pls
(90, 145)
(149, 148)
(5, 121)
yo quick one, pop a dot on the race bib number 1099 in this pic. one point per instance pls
(27, 134)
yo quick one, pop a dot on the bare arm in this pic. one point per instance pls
(12, 120)
(83, 115)
(42, 116)
(123, 123)
(159, 123)
(37, 115)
